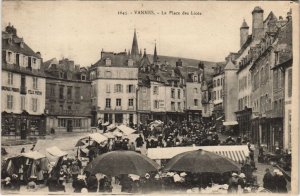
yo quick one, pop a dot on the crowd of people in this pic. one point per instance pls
(71, 170)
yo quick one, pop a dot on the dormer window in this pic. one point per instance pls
(21, 44)
(61, 74)
(108, 62)
(34, 60)
(195, 79)
(157, 78)
(83, 77)
(130, 62)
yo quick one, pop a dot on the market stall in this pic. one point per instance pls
(28, 164)
(235, 153)
(126, 130)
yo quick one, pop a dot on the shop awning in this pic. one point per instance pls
(126, 130)
(109, 135)
(55, 151)
(97, 137)
(228, 123)
(35, 155)
(236, 153)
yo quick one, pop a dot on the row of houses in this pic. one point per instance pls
(253, 89)
(121, 88)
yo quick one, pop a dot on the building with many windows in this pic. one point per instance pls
(282, 84)
(194, 79)
(23, 88)
(114, 84)
(267, 82)
(68, 96)
(217, 95)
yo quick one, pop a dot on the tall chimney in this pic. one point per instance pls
(257, 23)
(244, 32)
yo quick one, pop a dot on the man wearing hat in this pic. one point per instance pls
(233, 183)
(268, 180)
(242, 180)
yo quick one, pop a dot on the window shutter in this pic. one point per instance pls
(121, 88)
(133, 89)
(115, 87)
(127, 89)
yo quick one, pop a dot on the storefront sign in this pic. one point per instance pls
(5, 88)
(34, 92)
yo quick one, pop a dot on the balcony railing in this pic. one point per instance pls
(64, 112)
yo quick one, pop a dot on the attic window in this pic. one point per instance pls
(130, 62)
(157, 78)
(195, 79)
(108, 62)
(21, 44)
(61, 74)
(83, 77)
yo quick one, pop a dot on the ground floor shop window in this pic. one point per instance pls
(77, 123)
(34, 127)
(108, 118)
(119, 118)
(62, 122)
(9, 126)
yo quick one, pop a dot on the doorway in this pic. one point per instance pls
(69, 125)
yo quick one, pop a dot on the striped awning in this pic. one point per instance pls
(236, 153)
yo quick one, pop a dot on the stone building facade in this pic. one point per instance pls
(23, 88)
(68, 92)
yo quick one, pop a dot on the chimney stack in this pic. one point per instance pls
(257, 23)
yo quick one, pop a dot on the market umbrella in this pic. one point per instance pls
(122, 162)
(201, 161)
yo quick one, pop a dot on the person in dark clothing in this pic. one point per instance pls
(118, 145)
(15, 182)
(105, 184)
(281, 183)
(268, 181)
(139, 141)
(54, 186)
(233, 183)
(126, 184)
(242, 180)
(92, 183)
(79, 184)
(125, 144)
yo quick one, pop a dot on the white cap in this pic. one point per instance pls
(147, 176)
(234, 174)
(276, 171)
(242, 175)
(182, 174)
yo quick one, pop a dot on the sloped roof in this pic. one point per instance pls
(117, 59)
(230, 66)
(15, 45)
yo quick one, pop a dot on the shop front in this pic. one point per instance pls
(194, 115)
(244, 120)
(22, 126)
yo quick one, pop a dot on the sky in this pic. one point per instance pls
(79, 30)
